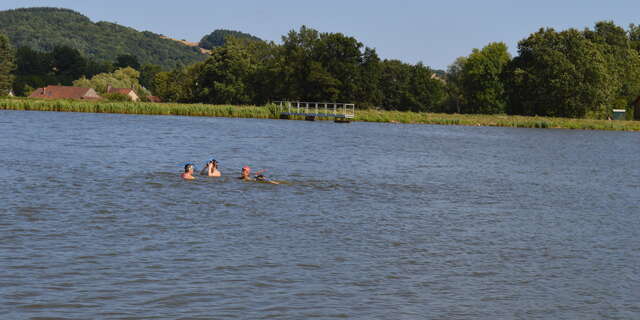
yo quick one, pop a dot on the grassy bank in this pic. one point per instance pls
(201, 110)
(271, 112)
(496, 120)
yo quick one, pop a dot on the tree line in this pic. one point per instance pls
(308, 65)
(568, 73)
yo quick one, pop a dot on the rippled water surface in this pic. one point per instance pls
(375, 221)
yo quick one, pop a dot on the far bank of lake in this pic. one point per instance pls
(272, 112)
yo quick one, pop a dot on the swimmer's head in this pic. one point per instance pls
(246, 171)
(188, 167)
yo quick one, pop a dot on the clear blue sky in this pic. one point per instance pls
(434, 32)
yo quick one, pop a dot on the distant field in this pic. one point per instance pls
(272, 112)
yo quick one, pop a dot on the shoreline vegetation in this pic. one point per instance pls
(556, 77)
(273, 112)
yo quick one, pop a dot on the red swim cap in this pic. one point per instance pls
(246, 168)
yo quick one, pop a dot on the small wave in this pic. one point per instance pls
(58, 306)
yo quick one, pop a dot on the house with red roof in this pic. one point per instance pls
(65, 92)
(155, 99)
(124, 91)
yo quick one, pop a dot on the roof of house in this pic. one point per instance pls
(154, 99)
(62, 92)
(124, 91)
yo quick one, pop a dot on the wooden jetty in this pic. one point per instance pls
(340, 112)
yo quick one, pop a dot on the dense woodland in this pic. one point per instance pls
(568, 73)
(43, 29)
(7, 65)
(218, 38)
(308, 65)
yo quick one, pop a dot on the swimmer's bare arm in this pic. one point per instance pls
(208, 170)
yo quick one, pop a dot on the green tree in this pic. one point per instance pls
(121, 78)
(31, 62)
(297, 50)
(606, 32)
(368, 91)
(223, 78)
(147, 74)
(410, 88)
(481, 84)
(340, 58)
(7, 65)
(623, 65)
(558, 74)
(454, 78)
(218, 38)
(165, 86)
(265, 82)
(68, 64)
(329, 67)
(95, 67)
(634, 37)
(428, 91)
(178, 85)
(127, 60)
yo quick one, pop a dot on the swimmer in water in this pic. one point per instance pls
(188, 172)
(245, 175)
(211, 169)
(262, 178)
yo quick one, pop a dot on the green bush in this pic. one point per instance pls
(117, 97)
(274, 110)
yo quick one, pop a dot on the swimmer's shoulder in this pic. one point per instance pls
(186, 177)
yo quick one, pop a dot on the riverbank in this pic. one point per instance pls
(272, 112)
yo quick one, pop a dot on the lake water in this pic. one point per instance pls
(376, 221)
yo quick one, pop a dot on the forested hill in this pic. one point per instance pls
(44, 28)
(218, 38)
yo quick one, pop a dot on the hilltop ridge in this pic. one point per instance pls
(43, 28)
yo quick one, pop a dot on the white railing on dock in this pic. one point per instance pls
(318, 109)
